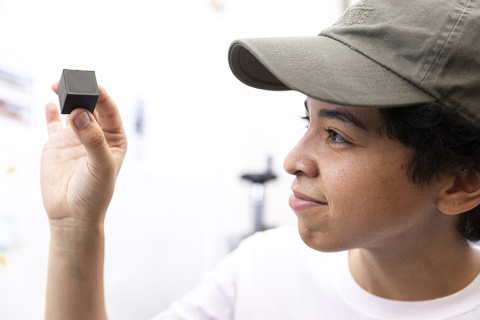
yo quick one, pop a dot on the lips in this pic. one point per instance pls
(301, 202)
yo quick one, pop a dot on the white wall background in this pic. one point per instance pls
(179, 198)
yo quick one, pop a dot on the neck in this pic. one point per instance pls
(424, 269)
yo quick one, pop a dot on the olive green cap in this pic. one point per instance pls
(380, 53)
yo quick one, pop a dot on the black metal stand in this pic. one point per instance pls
(257, 193)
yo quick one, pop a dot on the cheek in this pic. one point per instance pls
(370, 192)
(370, 200)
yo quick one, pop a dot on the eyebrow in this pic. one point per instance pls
(340, 114)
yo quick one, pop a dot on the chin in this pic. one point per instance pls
(321, 241)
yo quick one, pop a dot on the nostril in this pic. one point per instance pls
(308, 166)
(297, 164)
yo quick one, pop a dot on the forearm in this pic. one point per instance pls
(75, 273)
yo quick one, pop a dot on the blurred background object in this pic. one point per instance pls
(15, 94)
(258, 181)
(193, 129)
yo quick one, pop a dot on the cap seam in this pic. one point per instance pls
(445, 42)
(355, 49)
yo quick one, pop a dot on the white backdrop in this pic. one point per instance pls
(179, 198)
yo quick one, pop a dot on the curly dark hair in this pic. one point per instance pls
(445, 140)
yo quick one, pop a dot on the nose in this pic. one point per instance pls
(301, 161)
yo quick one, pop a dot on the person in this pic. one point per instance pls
(386, 188)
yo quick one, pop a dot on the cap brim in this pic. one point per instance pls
(322, 68)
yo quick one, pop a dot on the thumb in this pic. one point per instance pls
(86, 128)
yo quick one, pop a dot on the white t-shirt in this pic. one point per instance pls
(273, 275)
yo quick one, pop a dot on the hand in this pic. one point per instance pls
(80, 164)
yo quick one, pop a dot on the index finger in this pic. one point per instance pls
(106, 110)
(108, 115)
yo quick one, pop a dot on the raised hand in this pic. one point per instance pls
(80, 162)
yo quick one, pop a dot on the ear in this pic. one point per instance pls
(460, 195)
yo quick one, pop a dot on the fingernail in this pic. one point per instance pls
(82, 120)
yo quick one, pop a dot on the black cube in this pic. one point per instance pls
(77, 89)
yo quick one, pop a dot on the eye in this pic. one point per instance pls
(335, 138)
(306, 118)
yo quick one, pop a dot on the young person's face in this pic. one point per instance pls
(354, 183)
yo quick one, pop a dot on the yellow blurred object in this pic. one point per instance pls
(11, 170)
(3, 261)
(217, 4)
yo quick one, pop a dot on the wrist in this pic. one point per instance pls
(70, 224)
(71, 234)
